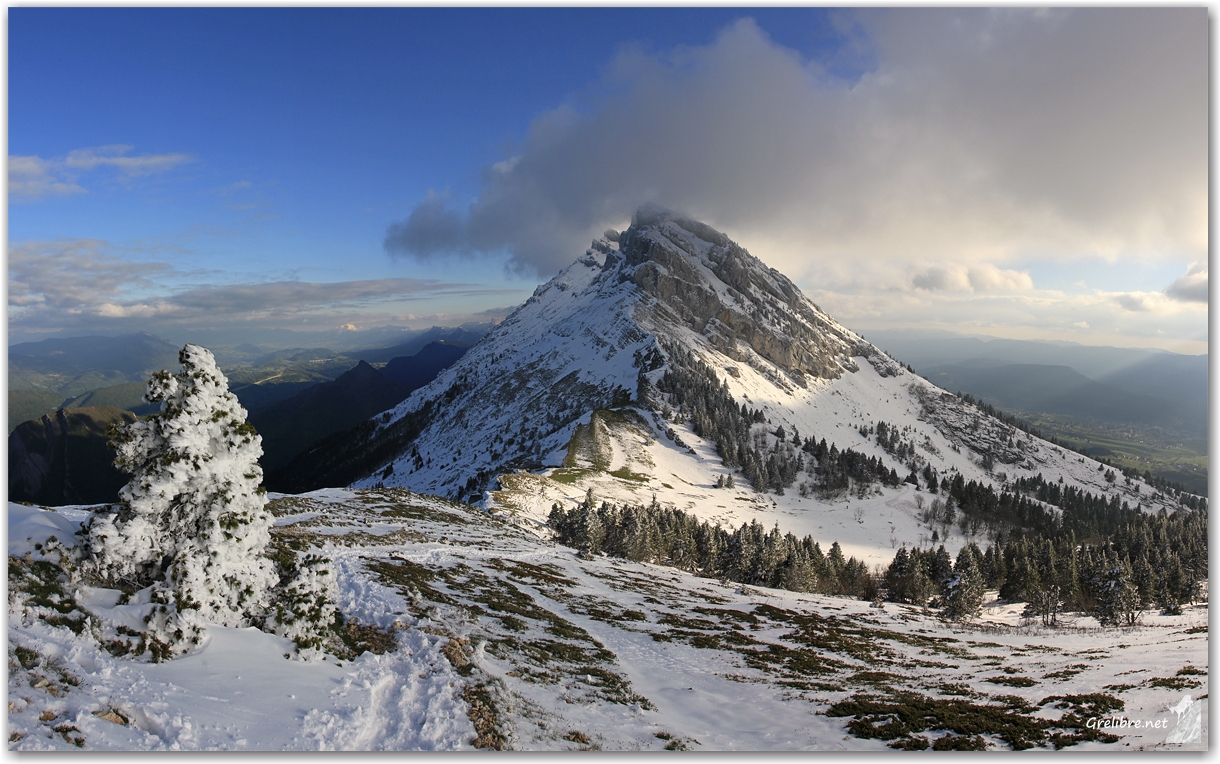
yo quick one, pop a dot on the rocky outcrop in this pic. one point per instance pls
(715, 287)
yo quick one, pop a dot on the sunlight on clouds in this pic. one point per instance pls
(1159, 303)
(1145, 319)
(979, 137)
(983, 140)
(138, 310)
(981, 278)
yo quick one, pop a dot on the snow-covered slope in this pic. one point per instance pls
(497, 428)
(491, 637)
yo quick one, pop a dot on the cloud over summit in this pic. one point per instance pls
(979, 137)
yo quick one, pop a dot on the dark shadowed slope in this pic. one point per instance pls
(420, 369)
(290, 426)
(63, 458)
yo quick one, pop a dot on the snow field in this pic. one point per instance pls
(565, 653)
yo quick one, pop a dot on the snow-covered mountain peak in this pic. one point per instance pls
(707, 282)
(666, 360)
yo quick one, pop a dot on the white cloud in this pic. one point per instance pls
(981, 137)
(32, 177)
(45, 278)
(987, 278)
(115, 156)
(941, 279)
(981, 278)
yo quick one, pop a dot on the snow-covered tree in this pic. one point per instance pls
(192, 522)
(304, 603)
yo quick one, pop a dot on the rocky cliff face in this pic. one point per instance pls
(713, 286)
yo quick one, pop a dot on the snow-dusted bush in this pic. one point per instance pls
(193, 522)
(304, 607)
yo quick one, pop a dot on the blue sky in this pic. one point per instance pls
(182, 170)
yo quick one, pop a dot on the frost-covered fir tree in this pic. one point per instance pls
(192, 522)
(304, 603)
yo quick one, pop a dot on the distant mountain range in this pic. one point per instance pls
(1081, 382)
(73, 366)
(112, 371)
(291, 425)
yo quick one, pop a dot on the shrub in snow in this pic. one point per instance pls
(193, 522)
(304, 607)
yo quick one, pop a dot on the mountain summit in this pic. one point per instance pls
(707, 283)
(667, 362)
(580, 343)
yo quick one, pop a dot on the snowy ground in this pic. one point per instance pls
(505, 640)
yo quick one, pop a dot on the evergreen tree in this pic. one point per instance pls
(1117, 597)
(1144, 578)
(907, 580)
(963, 592)
(1042, 588)
(192, 522)
(1171, 586)
(590, 533)
(1073, 595)
(941, 568)
(898, 571)
(796, 574)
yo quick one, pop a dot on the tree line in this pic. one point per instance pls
(749, 554)
(1148, 561)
